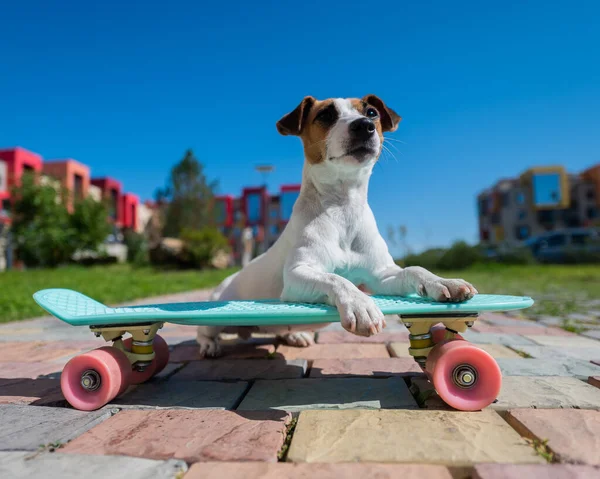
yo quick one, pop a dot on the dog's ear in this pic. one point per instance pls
(292, 123)
(389, 118)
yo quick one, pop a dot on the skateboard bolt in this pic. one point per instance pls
(408, 325)
(464, 376)
(146, 332)
(90, 380)
(97, 334)
(470, 323)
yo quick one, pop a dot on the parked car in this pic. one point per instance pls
(566, 246)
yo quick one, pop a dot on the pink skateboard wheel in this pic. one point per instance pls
(438, 333)
(91, 380)
(465, 377)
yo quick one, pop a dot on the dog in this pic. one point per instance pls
(331, 250)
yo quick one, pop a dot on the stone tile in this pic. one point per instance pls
(553, 353)
(551, 320)
(546, 392)
(499, 319)
(242, 369)
(189, 352)
(531, 329)
(572, 434)
(27, 370)
(380, 367)
(340, 337)
(296, 395)
(594, 381)
(334, 351)
(534, 471)
(582, 318)
(192, 436)
(283, 470)
(565, 342)
(460, 439)
(509, 340)
(592, 334)
(498, 351)
(35, 351)
(541, 367)
(27, 427)
(30, 391)
(173, 394)
(70, 466)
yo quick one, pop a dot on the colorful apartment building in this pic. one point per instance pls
(14, 163)
(73, 176)
(541, 199)
(266, 214)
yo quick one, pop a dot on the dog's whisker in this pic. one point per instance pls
(390, 152)
(387, 138)
(395, 148)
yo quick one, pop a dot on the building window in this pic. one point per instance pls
(483, 207)
(288, 199)
(495, 218)
(592, 213)
(520, 197)
(546, 189)
(522, 232)
(78, 187)
(5, 211)
(254, 207)
(113, 204)
(591, 194)
(546, 216)
(274, 230)
(522, 214)
(505, 200)
(485, 235)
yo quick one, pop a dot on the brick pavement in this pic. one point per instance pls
(343, 407)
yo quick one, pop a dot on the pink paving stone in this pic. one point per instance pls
(30, 391)
(193, 436)
(288, 470)
(594, 381)
(529, 330)
(34, 351)
(572, 434)
(534, 471)
(334, 351)
(242, 369)
(341, 337)
(188, 352)
(16, 369)
(379, 367)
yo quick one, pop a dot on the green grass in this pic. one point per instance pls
(557, 289)
(107, 284)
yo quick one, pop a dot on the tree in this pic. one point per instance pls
(89, 220)
(187, 197)
(43, 233)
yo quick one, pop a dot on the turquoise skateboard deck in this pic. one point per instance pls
(77, 309)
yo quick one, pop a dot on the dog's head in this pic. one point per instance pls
(341, 131)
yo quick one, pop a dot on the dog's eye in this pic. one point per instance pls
(372, 113)
(325, 116)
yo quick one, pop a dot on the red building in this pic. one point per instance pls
(111, 192)
(14, 162)
(73, 176)
(130, 206)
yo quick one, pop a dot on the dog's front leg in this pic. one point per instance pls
(358, 312)
(394, 280)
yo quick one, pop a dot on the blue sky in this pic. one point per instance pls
(485, 91)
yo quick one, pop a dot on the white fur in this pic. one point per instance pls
(330, 245)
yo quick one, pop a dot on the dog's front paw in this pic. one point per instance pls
(359, 314)
(300, 339)
(443, 290)
(208, 347)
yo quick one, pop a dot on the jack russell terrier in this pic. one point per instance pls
(331, 250)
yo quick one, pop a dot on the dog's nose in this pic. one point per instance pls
(362, 128)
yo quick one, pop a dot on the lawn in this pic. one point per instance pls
(557, 289)
(107, 284)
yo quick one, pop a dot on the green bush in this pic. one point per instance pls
(200, 246)
(460, 256)
(517, 256)
(137, 248)
(428, 259)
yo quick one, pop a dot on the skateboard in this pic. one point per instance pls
(465, 377)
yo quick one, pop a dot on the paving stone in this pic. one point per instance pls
(27, 370)
(334, 351)
(399, 350)
(578, 317)
(552, 353)
(498, 351)
(498, 319)
(340, 337)
(27, 427)
(19, 465)
(454, 438)
(594, 381)
(536, 330)
(546, 392)
(380, 367)
(509, 340)
(572, 434)
(296, 395)
(565, 342)
(242, 369)
(534, 471)
(283, 470)
(30, 391)
(189, 352)
(540, 367)
(192, 436)
(592, 334)
(556, 321)
(173, 394)
(35, 351)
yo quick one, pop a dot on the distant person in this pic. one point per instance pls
(247, 245)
